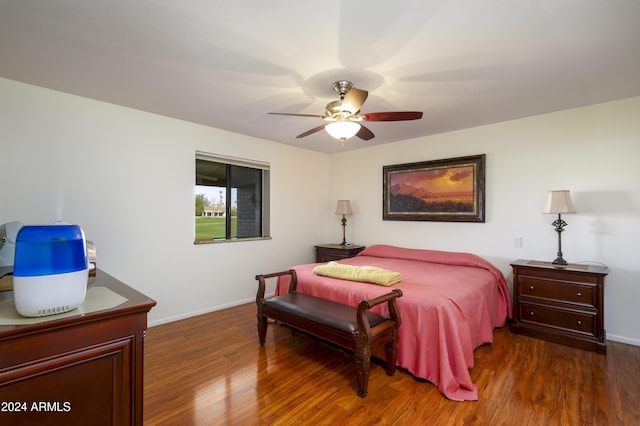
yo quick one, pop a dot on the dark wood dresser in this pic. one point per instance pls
(79, 370)
(328, 252)
(561, 304)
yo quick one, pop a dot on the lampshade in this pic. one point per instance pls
(342, 129)
(559, 202)
(344, 207)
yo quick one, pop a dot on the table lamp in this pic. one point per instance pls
(559, 202)
(344, 208)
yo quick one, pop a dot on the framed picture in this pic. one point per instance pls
(449, 190)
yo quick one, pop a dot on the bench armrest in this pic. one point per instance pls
(263, 277)
(365, 305)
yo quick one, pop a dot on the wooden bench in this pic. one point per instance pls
(363, 332)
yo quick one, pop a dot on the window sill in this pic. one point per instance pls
(234, 240)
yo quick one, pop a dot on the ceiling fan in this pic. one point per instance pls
(343, 116)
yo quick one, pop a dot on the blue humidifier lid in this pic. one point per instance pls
(49, 250)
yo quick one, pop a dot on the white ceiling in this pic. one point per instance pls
(227, 63)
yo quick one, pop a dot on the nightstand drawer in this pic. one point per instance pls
(574, 321)
(328, 257)
(561, 291)
(329, 252)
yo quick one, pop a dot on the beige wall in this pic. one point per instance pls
(101, 166)
(592, 151)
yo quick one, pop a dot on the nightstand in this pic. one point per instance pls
(328, 252)
(561, 304)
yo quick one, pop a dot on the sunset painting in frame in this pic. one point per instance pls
(442, 190)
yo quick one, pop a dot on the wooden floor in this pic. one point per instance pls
(210, 370)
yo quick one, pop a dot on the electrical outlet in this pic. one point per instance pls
(517, 242)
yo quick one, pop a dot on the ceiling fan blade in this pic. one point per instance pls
(297, 115)
(310, 132)
(392, 116)
(354, 99)
(365, 133)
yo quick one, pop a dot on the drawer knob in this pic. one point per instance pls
(532, 314)
(579, 294)
(532, 288)
(580, 323)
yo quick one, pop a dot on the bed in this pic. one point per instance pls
(451, 304)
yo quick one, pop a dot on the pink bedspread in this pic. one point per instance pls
(451, 303)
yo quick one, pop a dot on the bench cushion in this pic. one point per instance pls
(325, 312)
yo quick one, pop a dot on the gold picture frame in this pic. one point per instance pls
(447, 190)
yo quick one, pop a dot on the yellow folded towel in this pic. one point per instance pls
(368, 274)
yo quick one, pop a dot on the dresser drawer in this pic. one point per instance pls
(575, 321)
(561, 291)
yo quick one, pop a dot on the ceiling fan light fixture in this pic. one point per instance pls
(342, 130)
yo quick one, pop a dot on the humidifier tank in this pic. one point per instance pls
(50, 269)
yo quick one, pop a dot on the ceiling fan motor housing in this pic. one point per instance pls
(334, 111)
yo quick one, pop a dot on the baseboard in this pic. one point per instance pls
(199, 312)
(622, 339)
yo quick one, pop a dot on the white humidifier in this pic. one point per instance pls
(50, 269)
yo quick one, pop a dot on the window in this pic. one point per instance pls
(231, 199)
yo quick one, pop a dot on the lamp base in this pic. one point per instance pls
(559, 224)
(344, 226)
(559, 261)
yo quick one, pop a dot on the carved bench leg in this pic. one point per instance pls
(363, 364)
(391, 352)
(262, 328)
